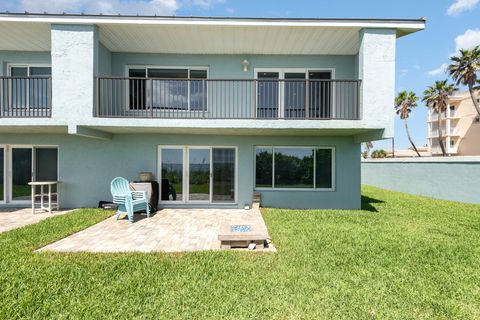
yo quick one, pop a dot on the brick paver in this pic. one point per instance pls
(168, 230)
(12, 218)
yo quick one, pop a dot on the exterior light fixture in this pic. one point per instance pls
(245, 64)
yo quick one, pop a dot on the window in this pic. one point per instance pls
(294, 167)
(29, 86)
(169, 88)
(294, 93)
(452, 143)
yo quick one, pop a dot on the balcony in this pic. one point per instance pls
(292, 99)
(25, 97)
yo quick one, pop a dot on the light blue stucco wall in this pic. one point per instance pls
(22, 57)
(229, 66)
(86, 166)
(449, 179)
(105, 60)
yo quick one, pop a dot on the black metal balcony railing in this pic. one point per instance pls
(227, 99)
(25, 97)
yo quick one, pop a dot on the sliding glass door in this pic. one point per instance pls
(21, 164)
(198, 174)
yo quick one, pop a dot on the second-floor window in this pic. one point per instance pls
(294, 93)
(167, 88)
(28, 86)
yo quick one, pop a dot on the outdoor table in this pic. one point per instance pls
(42, 195)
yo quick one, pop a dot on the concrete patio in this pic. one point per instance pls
(12, 218)
(168, 230)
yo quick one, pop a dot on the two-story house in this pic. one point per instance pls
(215, 108)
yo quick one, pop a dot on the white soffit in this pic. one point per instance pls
(20, 36)
(229, 39)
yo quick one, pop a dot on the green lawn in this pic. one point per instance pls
(402, 257)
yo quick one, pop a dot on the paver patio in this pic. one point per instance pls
(168, 230)
(12, 218)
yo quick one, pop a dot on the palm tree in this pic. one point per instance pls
(404, 103)
(464, 70)
(436, 97)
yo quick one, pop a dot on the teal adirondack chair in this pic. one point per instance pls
(127, 200)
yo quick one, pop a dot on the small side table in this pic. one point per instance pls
(42, 195)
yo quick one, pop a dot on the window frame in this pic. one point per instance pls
(315, 148)
(282, 80)
(188, 68)
(27, 87)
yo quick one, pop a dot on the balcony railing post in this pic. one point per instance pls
(357, 116)
(151, 97)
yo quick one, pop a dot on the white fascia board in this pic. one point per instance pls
(413, 25)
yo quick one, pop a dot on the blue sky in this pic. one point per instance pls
(451, 24)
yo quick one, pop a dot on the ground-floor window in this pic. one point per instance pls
(20, 164)
(198, 174)
(294, 168)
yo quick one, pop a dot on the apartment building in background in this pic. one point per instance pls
(460, 127)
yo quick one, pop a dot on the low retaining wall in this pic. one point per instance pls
(448, 178)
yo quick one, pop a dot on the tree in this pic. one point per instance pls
(464, 69)
(380, 153)
(404, 103)
(436, 97)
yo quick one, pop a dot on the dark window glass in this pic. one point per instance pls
(320, 94)
(223, 179)
(294, 95)
(46, 166)
(323, 168)
(293, 168)
(137, 89)
(172, 175)
(2, 175)
(170, 93)
(263, 167)
(267, 97)
(198, 90)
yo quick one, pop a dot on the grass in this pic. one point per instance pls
(402, 257)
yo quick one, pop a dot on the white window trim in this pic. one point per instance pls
(281, 76)
(273, 188)
(186, 174)
(148, 66)
(26, 65)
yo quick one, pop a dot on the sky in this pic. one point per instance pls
(421, 57)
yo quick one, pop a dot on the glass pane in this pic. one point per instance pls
(223, 162)
(137, 89)
(168, 73)
(263, 167)
(198, 90)
(46, 166)
(267, 97)
(172, 175)
(320, 94)
(19, 71)
(199, 174)
(293, 167)
(21, 173)
(2, 174)
(323, 168)
(295, 95)
(40, 71)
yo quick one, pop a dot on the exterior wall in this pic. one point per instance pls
(376, 69)
(104, 61)
(22, 57)
(229, 66)
(442, 178)
(86, 166)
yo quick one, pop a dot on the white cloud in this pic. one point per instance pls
(440, 70)
(460, 6)
(141, 7)
(230, 10)
(468, 40)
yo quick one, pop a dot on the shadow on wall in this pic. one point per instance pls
(367, 203)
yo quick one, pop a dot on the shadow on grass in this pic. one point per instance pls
(367, 203)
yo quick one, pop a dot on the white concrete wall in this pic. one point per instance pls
(73, 67)
(376, 69)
